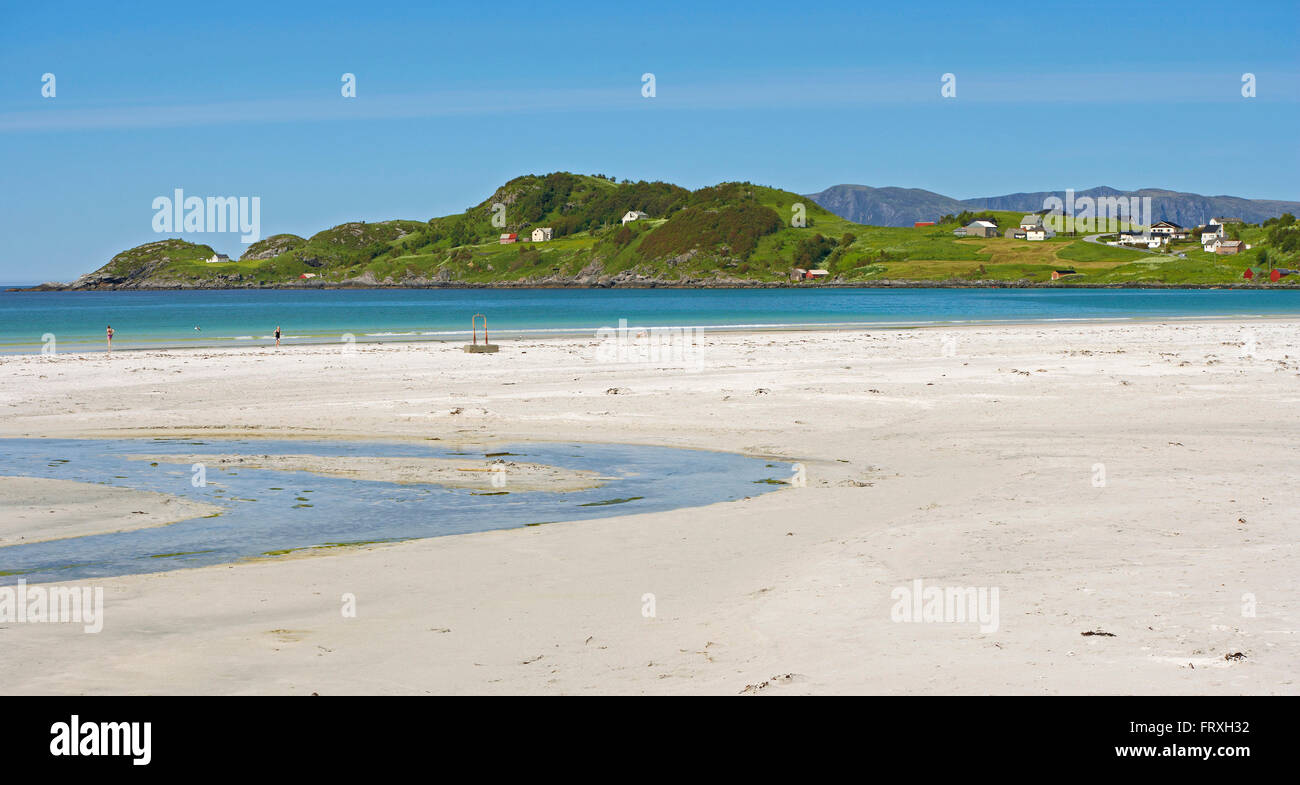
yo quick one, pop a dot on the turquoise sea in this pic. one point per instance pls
(77, 320)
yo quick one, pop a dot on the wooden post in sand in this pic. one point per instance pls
(476, 346)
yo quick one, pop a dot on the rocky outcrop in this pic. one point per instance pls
(271, 247)
(141, 264)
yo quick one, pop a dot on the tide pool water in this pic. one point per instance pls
(269, 513)
(72, 321)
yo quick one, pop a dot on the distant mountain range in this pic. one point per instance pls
(904, 206)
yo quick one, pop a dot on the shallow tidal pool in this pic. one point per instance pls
(268, 513)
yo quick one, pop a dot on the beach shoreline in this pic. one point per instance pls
(331, 339)
(959, 455)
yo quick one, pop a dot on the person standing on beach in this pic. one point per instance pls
(277, 336)
(110, 337)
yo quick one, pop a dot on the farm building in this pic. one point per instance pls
(982, 229)
(542, 234)
(506, 239)
(633, 215)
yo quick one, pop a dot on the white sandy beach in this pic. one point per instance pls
(964, 457)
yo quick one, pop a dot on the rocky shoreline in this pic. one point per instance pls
(614, 283)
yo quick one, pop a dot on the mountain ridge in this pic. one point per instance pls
(896, 206)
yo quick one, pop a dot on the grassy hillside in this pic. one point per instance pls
(732, 233)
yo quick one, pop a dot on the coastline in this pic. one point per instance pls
(330, 340)
(958, 455)
(902, 284)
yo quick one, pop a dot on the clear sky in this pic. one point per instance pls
(244, 99)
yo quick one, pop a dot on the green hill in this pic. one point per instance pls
(727, 234)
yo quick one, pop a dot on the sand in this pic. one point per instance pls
(1131, 479)
(34, 509)
(483, 474)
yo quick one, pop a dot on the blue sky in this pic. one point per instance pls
(243, 99)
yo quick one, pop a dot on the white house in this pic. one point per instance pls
(542, 234)
(1039, 233)
(218, 257)
(1167, 228)
(1143, 238)
(1031, 222)
(633, 215)
(1211, 234)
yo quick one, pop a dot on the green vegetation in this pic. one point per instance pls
(966, 217)
(731, 233)
(732, 229)
(163, 256)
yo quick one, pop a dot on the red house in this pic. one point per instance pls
(919, 224)
(506, 239)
